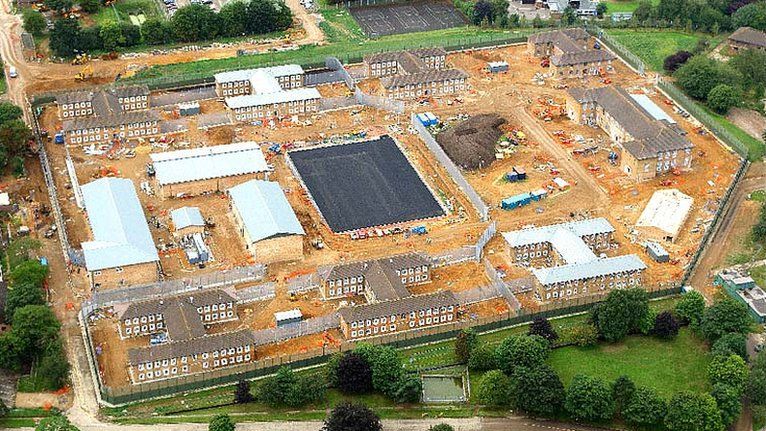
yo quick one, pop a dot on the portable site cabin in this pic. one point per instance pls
(521, 172)
(539, 194)
(516, 201)
(561, 183)
(497, 66)
(189, 108)
(657, 252)
(284, 318)
(511, 177)
(427, 119)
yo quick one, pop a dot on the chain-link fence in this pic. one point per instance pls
(450, 167)
(303, 283)
(477, 294)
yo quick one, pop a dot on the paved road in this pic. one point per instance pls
(10, 50)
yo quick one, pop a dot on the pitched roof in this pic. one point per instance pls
(587, 270)
(264, 210)
(650, 136)
(666, 210)
(206, 163)
(120, 233)
(426, 77)
(749, 36)
(186, 216)
(245, 74)
(295, 95)
(537, 235)
(583, 57)
(406, 305)
(118, 119)
(204, 344)
(555, 36)
(398, 55)
(198, 298)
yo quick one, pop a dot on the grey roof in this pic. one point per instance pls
(74, 97)
(555, 36)
(105, 102)
(198, 298)
(399, 55)
(218, 161)
(27, 41)
(588, 270)
(749, 36)
(245, 74)
(130, 91)
(423, 78)
(537, 235)
(186, 216)
(109, 121)
(204, 344)
(399, 306)
(264, 210)
(650, 136)
(251, 100)
(583, 57)
(120, 233)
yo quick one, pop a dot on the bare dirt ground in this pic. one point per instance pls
(748, 120)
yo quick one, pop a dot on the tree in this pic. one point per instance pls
(730, 344)
(34, 21)
(90, 39)
(21, 295)
(352, 417)
(495, 389)
(89, 6)
(674, 61)
(9, 111)
(14, 136)
(55, 422)
(130, 33)
(729, 370)
(65, 37)
(59, 6)
(441, 427)
(645, 408)
(34, 328)
(385, 365)
(621, 313)
(665, 325)
(53, 368)
(622, 391)
(287, 389)
(589, 399)
(482, 358)
(538, 22)
(542, 327)
(701, 74)
(690, 308)
(408, 389)
(465, 342)
(156, 31)
(354, 375)
(725, 316)
(756, 385)
(644, 12)
(195, 22)
(569, 16)
(601, 9)
(751, 63)
(583, 335)
(233, 16)
(221, 423)
(538, 390)
(111, 35)
(3, 409)
(729, 401)
(752, 15)
(723, 97)
(689, 411)
(266, 16)
(242, 394)
(483, 11)
(29, 272)
(521, 351)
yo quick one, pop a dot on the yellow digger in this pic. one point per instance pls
(85, 74)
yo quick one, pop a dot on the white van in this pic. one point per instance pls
(12, 72)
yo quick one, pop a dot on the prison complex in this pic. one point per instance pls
(569, 53)
(121, 251)
(207, 169)
(651, 142)
(565, 264)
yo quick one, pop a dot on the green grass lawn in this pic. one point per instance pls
(624, 5)
(338, 24)
(666, 366)
(22, 418)
(756, 148)
(653, 46)
(121, 10)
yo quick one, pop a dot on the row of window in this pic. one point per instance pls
(531, 255)
(98, 138)
(616, 282)
(260, 114)
(216, 316)
(231, 351)
(569, 292)
(416, 270)
(227, 361)
(214, 307)
(132, 99)
(77, 113)
(134, 106)
(143, 319)
(76, 105)
(347, 289)
(418, 93)
(412, 314)
(162, 373)
(391, 328)
(96, 130)
(143, 329)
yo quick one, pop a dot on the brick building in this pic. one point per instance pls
(399, 315)
(243, 82)
(650, 143)
(194, 355)
(207, 169)
(301, 101)
(181, 317)
(564, 263)
(405, 62)
(103, 103)
(570, 55)
(121, 251)
(747, 38)
(101, 130)
(269, 227)
(383, 279)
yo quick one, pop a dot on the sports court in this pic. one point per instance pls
(364, 184)
(382, 20)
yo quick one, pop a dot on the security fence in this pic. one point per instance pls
(501, 287)
(303, 283)
(384, 103)
(450, 167)
(259, 292)
(618, 48)
(333, 63)
(334, 103)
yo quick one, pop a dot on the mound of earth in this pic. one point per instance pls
(471, 144)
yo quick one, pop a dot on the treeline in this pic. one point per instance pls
(712, 16)
(192, 23)
(517, 375)
(33, 344)
(14, 139)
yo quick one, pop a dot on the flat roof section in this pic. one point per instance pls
(364, 184)
(219, 161)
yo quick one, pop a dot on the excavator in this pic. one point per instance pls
(85, 74)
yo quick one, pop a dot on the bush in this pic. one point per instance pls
(690, 308)
(441, 427)
(221, 423)
(34, 21)
(482, 358)
(589, 399)
(287, 389)
(537, 390)
(622, 391)
(352, 417)
(689, 411)
(527, 351)
(728, 370)
(729, 401)
(385, 365)
(674, 61)
(756, 386)
(354, 374)
(465, 342)
(584, 335)
(408, 389)
(723, 97)
(645, 408)
(701, 74)
(542, 327)
(622, 313)
(495, 389)
(665, 325)
(242, 393)
(730, 344)
(723, 317)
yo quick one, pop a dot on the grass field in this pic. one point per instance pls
(121, 10)
(653, 46)
(22, 418)
(666, 366)
(624, 5)
(756, 148)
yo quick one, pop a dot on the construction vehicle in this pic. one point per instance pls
(317, 243)
(82, 58)
(85, 74)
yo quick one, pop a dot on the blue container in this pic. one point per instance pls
(512, 177)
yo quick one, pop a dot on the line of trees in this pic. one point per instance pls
(192, 23)
(520, 378)
(14, 138)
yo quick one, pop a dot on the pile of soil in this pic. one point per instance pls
(471, 144)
